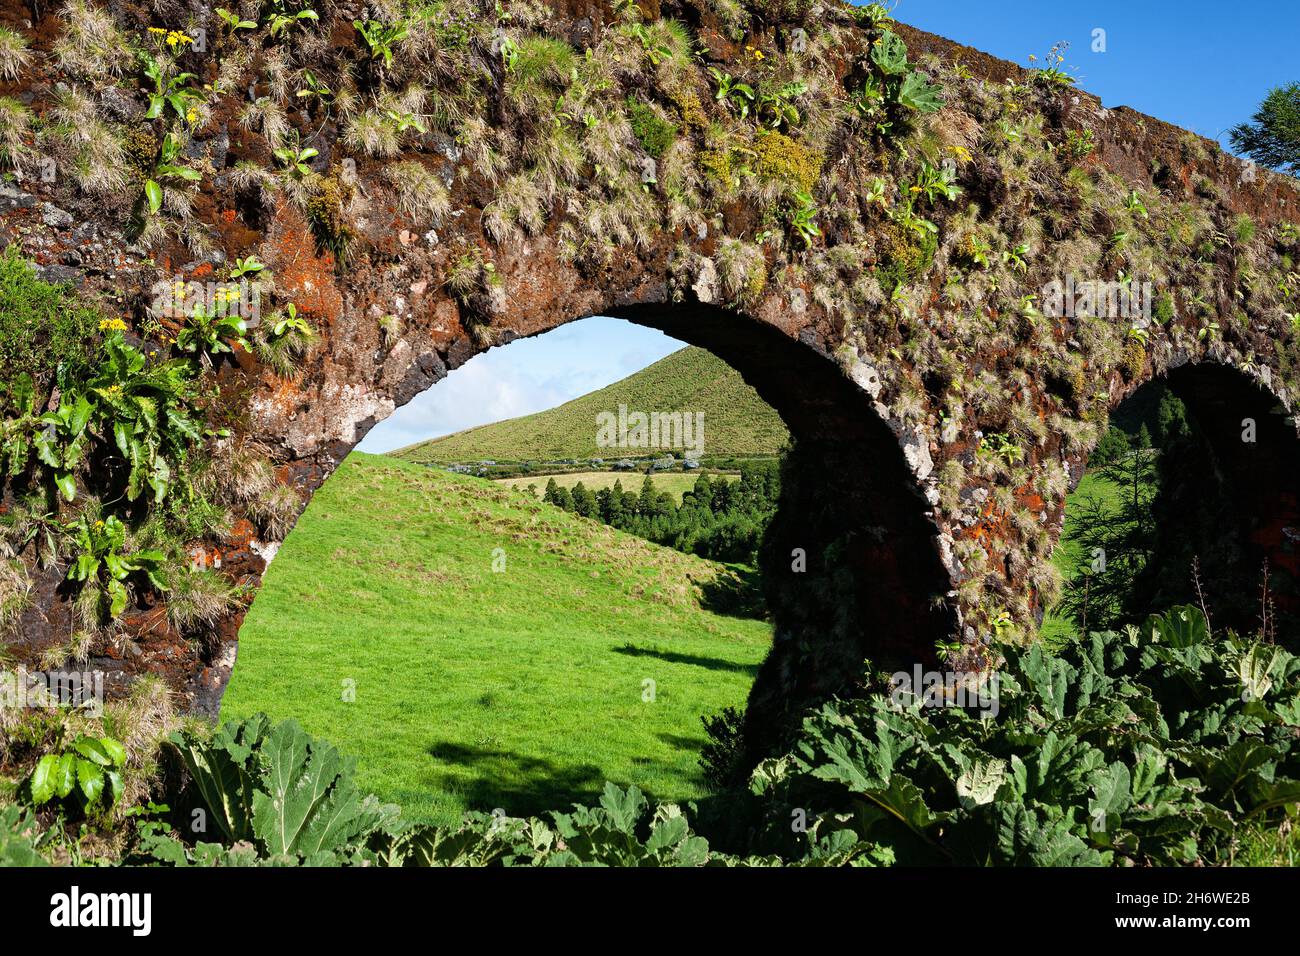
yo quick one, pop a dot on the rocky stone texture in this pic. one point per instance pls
(915, 531)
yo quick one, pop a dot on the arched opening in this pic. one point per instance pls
(1189, 498)
(849, 571)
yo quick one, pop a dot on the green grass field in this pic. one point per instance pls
(524, 689)
(674, 483)
(736, 421)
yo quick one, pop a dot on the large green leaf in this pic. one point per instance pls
(980, 783)
(90, 779)
(222, 773)
(1183, 626)
(889, 53)
(306, 802)
(919, 94)
(152, 191)
(65, 774)
(42, 780)
(1025, 840)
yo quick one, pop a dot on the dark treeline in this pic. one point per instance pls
(720, 518)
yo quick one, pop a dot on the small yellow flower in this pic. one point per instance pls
(191, 116)
(158, 30)
(112, 325)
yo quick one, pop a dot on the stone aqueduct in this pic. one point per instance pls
(901, 364)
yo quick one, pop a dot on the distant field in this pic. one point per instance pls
(736, 421)
(523, 689)
(674, 483)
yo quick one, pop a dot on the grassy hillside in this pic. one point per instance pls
(736, 420)
(523, 689)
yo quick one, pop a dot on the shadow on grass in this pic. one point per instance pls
(518, 784)
(692, 744)
(736, 592)
(695, 660)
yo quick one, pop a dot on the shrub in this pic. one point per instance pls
(42, 326)
(721, 756)
(778, 157)
(653, 132)
(87, 775)
(247, 779)
(1161, 745)
(1113, 446)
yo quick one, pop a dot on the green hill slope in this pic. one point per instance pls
(523, 688)
(736, 420)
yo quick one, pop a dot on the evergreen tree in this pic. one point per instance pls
(1272, 138)
(702, 494)
(1172, 419)
(564, 498)
(1116, 542)
(617, 504)
(1113, 446)
(645, 505)
(584, 503)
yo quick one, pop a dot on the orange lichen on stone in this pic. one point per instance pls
(994, 525)
(302, 276)
(242, 533)
(286, 398)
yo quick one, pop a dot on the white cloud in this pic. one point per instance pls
(526, 376)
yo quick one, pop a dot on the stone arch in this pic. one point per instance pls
(1241, 469)
(931, 307)
(871, 584)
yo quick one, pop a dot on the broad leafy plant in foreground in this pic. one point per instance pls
(1153, 746)
(1160, 745)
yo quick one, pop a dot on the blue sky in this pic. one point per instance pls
(1198, 64)
(528, 375)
